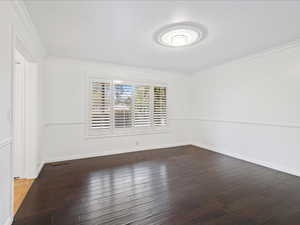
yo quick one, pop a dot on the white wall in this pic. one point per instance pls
(249, 108)
(11, 20)
(65, 109)
(5, 184)
(5, 124)
(32, 121)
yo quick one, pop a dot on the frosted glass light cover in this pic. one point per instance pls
(179, 35)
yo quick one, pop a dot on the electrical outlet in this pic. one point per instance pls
(137, 143)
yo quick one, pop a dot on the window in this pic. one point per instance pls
(117, 107)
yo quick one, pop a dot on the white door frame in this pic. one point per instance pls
(18, 44)
(18, 145)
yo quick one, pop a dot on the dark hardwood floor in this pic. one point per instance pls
(175, 186)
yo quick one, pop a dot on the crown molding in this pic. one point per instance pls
(250, 57)
(22, 12)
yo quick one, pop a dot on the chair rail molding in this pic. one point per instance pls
(82, 122)
(254, 123)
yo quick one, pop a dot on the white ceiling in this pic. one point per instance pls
(122, 31)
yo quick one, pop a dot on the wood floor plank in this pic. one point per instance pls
(21, 187)
(184, 185)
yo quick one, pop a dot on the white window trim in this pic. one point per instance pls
(116, 132)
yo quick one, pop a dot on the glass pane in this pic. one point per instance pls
(123, 105)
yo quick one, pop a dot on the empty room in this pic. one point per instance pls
(149, 112)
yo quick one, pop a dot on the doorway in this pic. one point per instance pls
(22, 183)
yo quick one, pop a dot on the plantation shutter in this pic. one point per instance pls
(100, 105)
(123, 109)
(117, 107)
(160, 106)
(142, 116)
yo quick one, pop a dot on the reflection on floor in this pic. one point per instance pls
(183, 185)
(21, 187)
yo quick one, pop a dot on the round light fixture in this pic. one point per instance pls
(180, 34)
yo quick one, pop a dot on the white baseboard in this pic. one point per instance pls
(37, 172)
(39, 169)
(8, 221)
(142, 148)
(251, 160)
(96, 154)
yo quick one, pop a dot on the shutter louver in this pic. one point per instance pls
(160, 106)
(123, 105)
(100, 112)
(142, 116)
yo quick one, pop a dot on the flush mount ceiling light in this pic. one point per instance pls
(180, 34)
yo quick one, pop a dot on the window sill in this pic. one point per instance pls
(128, 133)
